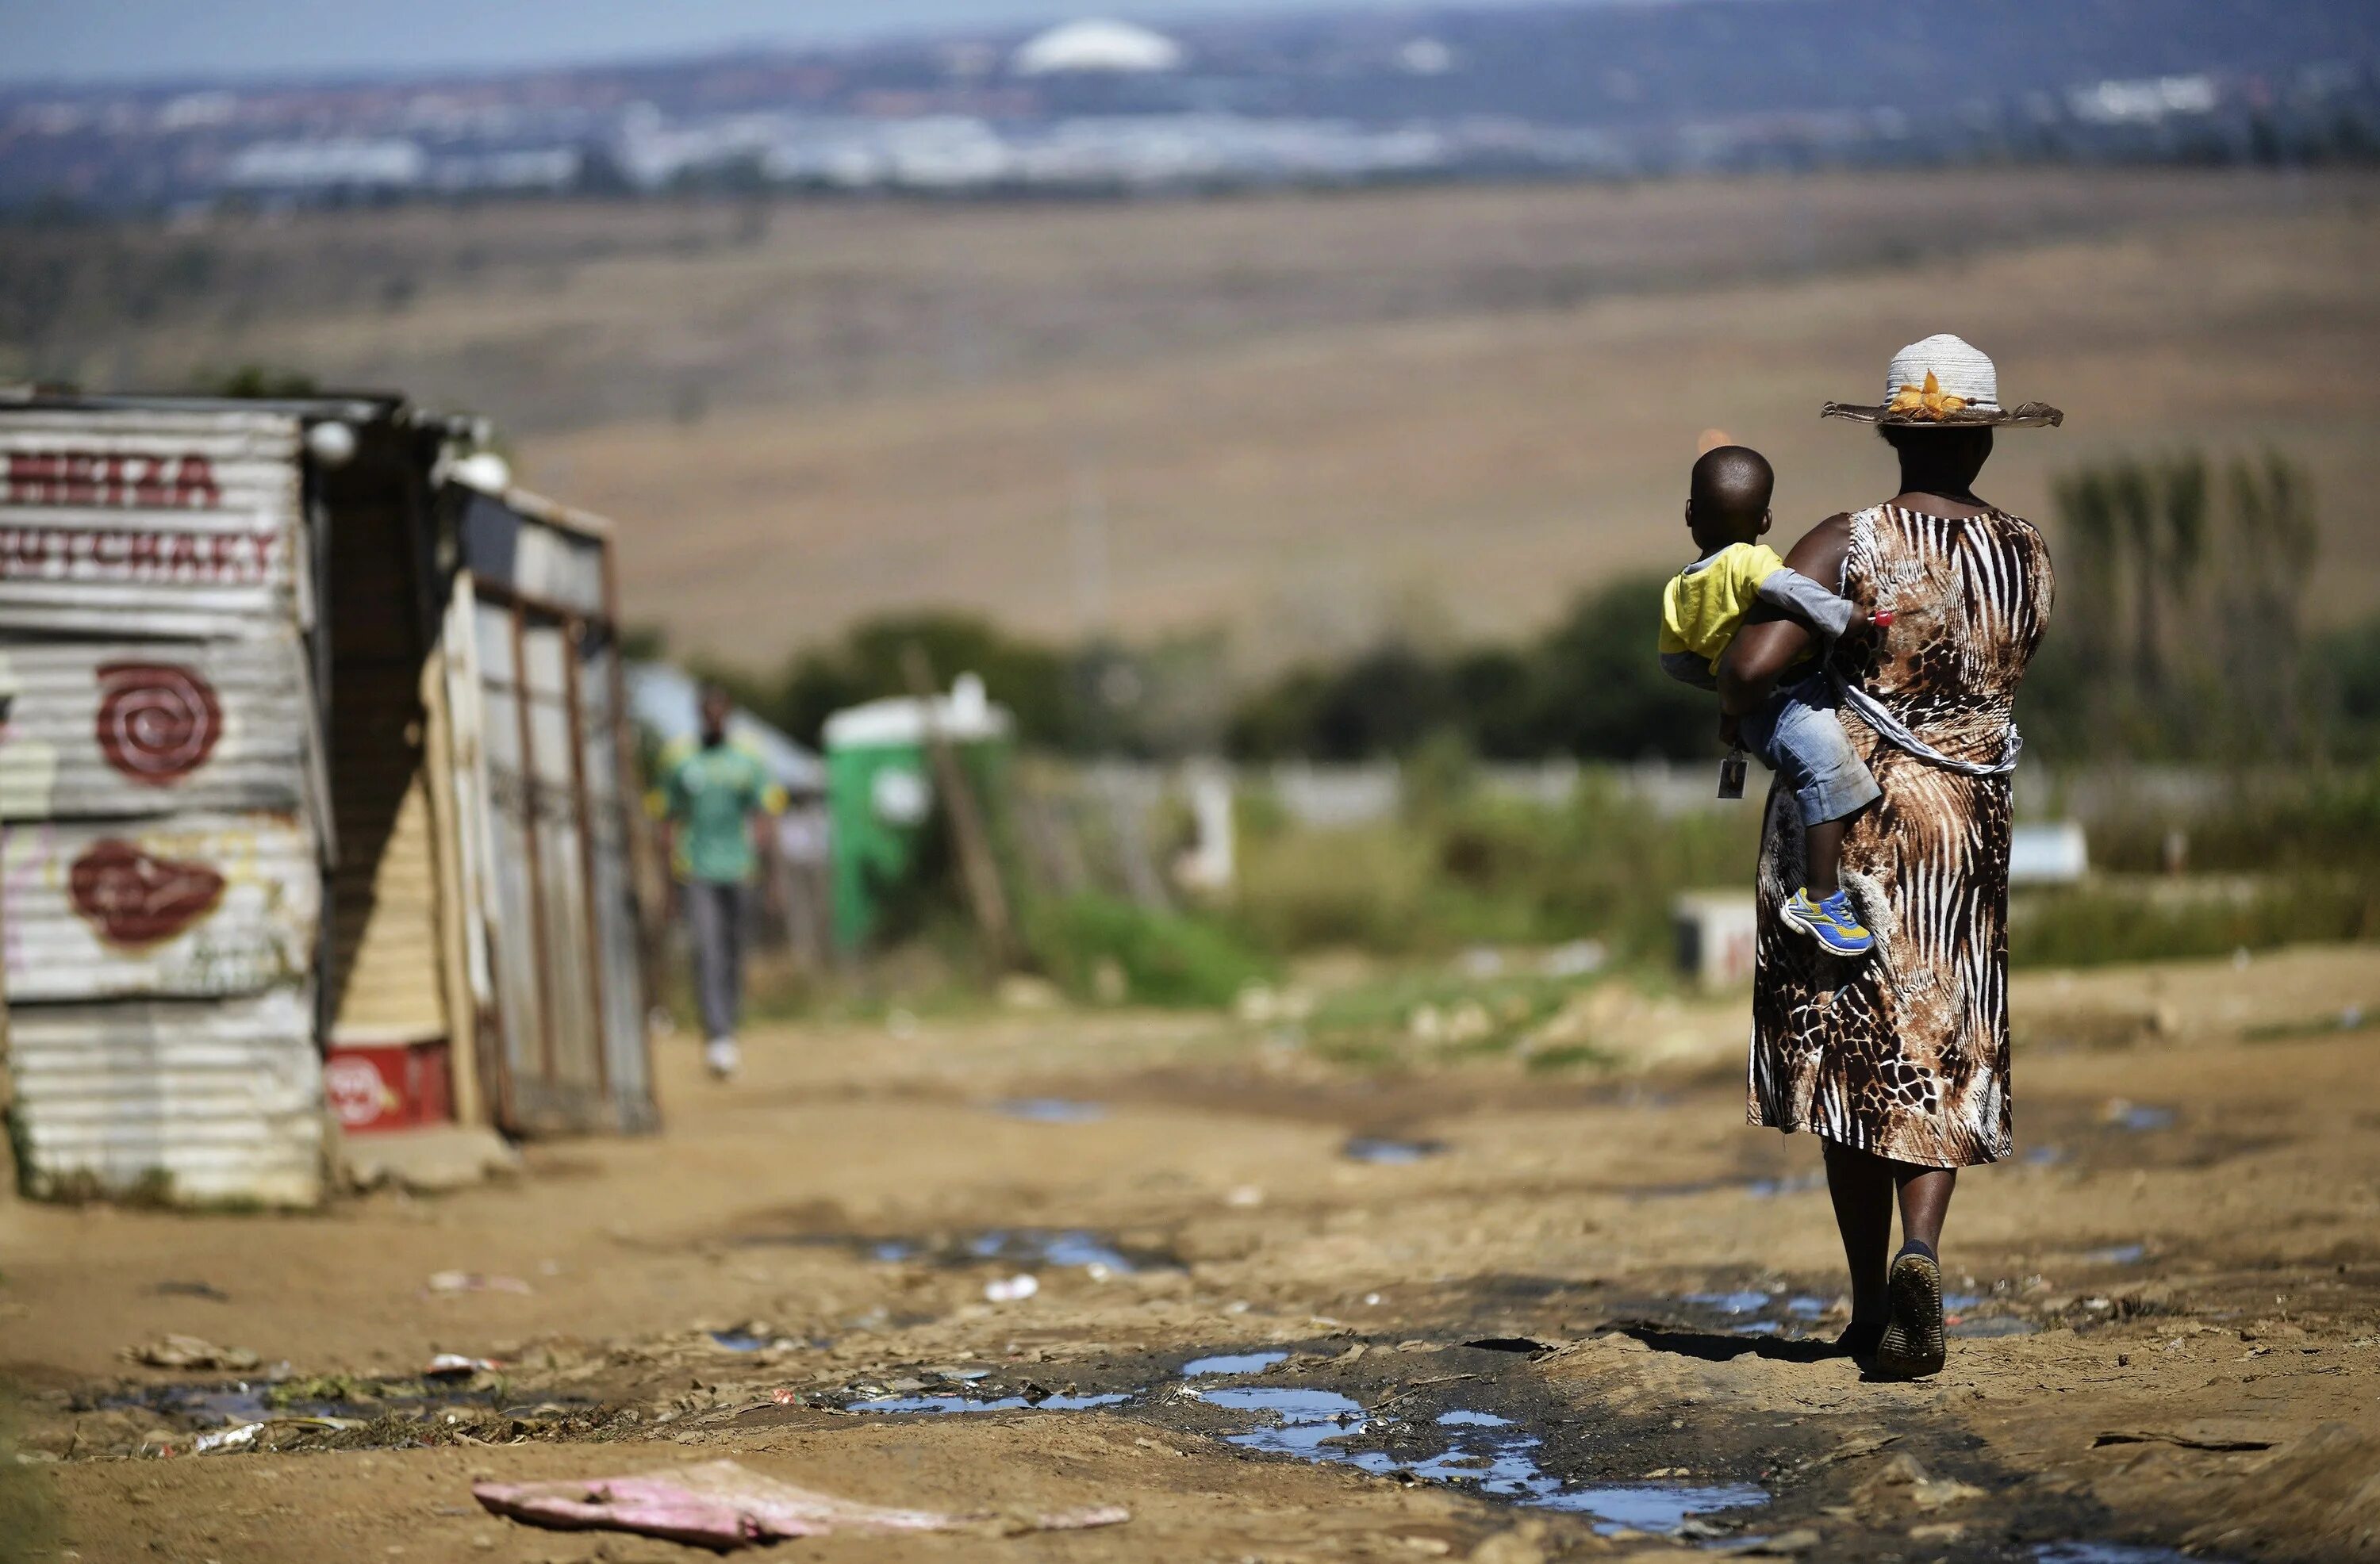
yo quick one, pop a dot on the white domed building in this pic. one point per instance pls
(1095, 47)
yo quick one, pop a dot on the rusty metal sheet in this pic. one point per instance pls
(188, 1099)
(197, 905)
(134, 521)
(125, 728)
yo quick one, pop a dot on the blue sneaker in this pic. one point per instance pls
(1831, 923)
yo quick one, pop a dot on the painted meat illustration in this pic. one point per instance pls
(135, 898)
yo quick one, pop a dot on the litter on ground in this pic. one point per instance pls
(723, 1505)
(472, 1282)
(189, 1352)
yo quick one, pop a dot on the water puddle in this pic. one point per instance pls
(241, 1402)
(1232, 1362)
(2108, 1553)
(1051, 1110)
(988, 1404)
(1752, 1310)
(233, 1415)
(1382, 1151)
(1015, 1248)
(1989, 1325)
(739, 1340)
(2121, 1254)
(1744, 1303)
(1766, 1188)
(1479, 1458)
(1653, 1506)
(1301, 1422)
(2138, 1117)
(1795, 1184)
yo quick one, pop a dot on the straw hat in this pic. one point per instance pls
(1944, 382)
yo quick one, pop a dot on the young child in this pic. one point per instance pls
(1796, 735)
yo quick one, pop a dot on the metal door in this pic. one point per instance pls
(566, 1021)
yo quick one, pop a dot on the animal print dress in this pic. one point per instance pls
(1905, 1051)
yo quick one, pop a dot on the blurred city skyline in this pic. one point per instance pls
(129, 41)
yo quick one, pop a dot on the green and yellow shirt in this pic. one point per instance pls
(709, 792)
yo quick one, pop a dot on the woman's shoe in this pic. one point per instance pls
(1858, 1341)
(1912, 1345)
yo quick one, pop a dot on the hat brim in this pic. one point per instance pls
(2031, 415)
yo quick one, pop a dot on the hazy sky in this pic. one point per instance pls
(86, 39)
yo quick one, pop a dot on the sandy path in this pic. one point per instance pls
(1583, 1215)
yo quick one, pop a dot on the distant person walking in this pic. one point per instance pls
(717, 800)
(1900, 1061)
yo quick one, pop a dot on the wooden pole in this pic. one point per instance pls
(977, 868)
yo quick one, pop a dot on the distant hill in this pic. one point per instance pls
(1352, 97)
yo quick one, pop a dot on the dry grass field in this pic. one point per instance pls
(1303, 416)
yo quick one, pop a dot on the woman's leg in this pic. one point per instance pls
(1913, 1344)
(1925, 1201)
(1861, 1185)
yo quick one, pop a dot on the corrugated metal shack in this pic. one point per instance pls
(268, 851)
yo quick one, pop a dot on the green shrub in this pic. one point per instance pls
(1166, 958)
(2094, 923)
(1480, 870)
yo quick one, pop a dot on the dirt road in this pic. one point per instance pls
(1532, 1315)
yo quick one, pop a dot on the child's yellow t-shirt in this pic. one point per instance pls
(1703, 604)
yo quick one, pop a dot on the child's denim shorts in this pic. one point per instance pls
(1799, 736)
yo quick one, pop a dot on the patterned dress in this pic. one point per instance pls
(1905, 1053)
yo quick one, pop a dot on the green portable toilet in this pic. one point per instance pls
(880, 790)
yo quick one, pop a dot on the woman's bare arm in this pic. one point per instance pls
(1771, 639)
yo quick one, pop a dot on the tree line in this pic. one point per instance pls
(2179, 633)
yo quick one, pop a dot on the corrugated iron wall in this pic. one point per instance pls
(121, 521)
(221, 1098)
(160, 860)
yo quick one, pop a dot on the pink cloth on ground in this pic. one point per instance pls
(720, 1504)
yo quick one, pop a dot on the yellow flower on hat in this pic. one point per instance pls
(1928, 401)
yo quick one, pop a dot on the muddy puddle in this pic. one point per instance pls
(1388, 1151)
(1753, 1312)
(1050, 1109)
(1763, 1186)
(1480, 1452)
(955, 1403)
(336, 1412)
(1267, 1401)
(1083, 1249)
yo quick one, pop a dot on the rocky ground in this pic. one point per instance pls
(1279, 1308)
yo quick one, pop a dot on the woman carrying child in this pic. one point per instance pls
(1899, 1060)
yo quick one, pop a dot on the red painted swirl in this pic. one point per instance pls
(158, 722)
